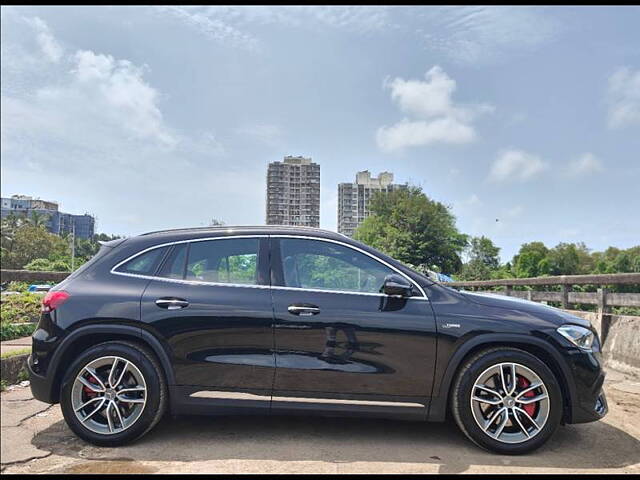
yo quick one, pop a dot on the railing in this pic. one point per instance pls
(603, 298)
(31, 276)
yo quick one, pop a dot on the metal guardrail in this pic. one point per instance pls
(603, 298)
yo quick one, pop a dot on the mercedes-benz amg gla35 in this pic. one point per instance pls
(286, 320)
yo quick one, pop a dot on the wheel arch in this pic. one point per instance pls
(541, 349)
(86, 336)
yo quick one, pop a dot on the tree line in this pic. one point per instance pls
(404, 223)
(26, 244)
(422, 232)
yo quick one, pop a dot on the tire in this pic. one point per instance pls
(125, 416)
(510, 425)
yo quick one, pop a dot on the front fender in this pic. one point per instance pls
(442, 386)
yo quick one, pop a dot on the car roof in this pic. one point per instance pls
(232, 230)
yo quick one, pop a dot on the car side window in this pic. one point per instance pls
(224, 261)
(144, 264)
(315, 264)
(173, 266)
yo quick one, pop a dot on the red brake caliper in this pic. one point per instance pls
(522, 384)
(90, 393)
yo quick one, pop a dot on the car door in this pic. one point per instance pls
(210, 302)
(340, 344)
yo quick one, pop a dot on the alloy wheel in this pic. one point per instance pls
(510, 403)
(109, 395)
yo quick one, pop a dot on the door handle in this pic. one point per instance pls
(172, 303)
(303, 310)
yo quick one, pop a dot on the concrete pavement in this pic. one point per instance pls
(36, 439)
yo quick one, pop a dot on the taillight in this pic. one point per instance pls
(53, 300)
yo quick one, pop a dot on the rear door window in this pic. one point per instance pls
(233, 261)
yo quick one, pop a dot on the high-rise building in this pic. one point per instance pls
(293, 192)
(56, 221)
(353, 198)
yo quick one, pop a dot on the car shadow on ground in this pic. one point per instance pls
(344, 440)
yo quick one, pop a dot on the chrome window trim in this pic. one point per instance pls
(276, 287)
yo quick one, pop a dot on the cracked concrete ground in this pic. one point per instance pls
(36, 439)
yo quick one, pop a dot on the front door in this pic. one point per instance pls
(340, 344)
(211, 304)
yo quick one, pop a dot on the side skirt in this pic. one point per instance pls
(200, 401)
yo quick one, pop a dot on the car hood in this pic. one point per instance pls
(551, 314)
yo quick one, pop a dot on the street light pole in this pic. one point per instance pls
(73, 246)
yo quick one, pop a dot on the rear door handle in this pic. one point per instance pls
(303, 310)
(172, 303)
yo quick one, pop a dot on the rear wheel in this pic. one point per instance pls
(506, 400)
(113, 393)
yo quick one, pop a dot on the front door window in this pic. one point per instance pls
(318, 265)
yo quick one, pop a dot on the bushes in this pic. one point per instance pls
(9, 331)
(46, 265)
(19, 314)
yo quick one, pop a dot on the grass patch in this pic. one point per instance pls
(13, 353)
(19, 315)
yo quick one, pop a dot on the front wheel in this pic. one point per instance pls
(506, 400)
(113, 393)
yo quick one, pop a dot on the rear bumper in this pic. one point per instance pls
(41, 385)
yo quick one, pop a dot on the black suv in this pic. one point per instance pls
(288, 320)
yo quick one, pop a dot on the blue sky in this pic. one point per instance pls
(526, 121)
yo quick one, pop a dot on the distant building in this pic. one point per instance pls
(293, 192)
(57, 222)
(353, 198)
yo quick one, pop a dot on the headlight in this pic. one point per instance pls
(579, 336)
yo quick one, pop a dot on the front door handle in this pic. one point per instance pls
(303, 310)
(172, 303)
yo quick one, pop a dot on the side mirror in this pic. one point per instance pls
(396, 285)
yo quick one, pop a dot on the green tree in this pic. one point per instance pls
(29, 243)
(563, 259)
(414, 229)
(531, 260)
(483, 259)
(38, 219)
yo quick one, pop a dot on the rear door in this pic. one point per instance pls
(211, 304)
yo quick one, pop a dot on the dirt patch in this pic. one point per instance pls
(110, 466)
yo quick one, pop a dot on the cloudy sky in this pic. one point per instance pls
(526, 121)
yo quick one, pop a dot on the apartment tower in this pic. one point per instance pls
(293, 192)
(353, 198)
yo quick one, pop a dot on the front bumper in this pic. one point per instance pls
(589, 402)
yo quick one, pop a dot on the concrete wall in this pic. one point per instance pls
(620, 335)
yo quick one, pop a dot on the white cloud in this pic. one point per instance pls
(516, 165)
(436, 117)
(211, 23)
(480, 35)
(117, 86)
(47, 42)
(623, 98)
(361, 20)
(96, 118)
(587, 164)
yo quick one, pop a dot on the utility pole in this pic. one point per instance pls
(73, 246)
